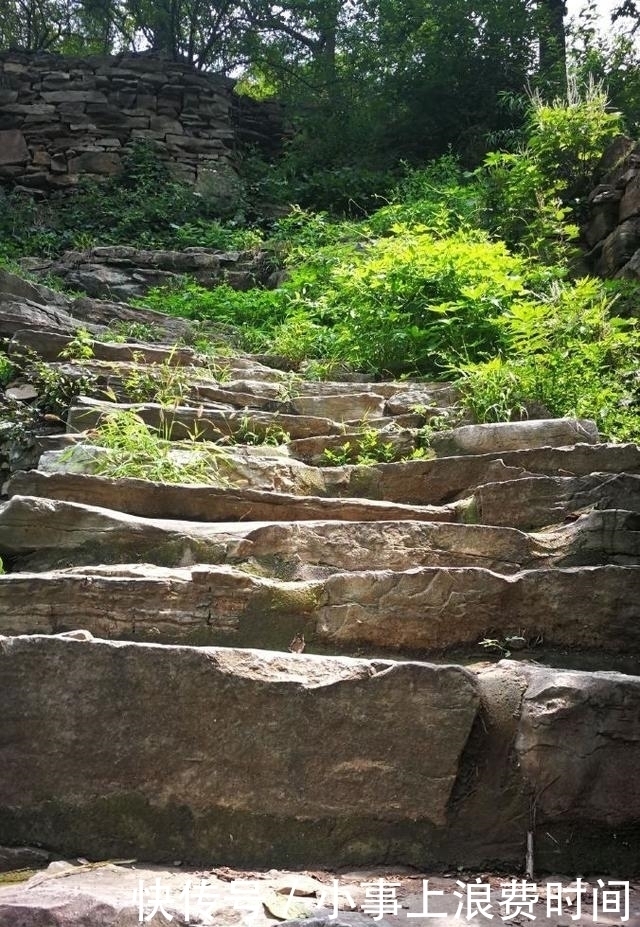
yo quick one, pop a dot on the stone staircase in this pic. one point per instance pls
(416, 662)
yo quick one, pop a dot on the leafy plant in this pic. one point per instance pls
(56, 387)
(120, 332)
(565, 354)
(80, 347)
(7, 370)
(364, 450)
(247, 433)
(532, 197)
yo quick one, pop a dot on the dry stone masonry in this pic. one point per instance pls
(612, 233)
(471, 623)
(62, 119)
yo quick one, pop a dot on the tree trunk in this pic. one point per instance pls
(553, 48)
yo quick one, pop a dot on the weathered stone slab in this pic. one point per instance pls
(593, 539)
(42, 534)
(425, 610)
(48, 345)
(123, 272)
(104, 312)
(618, 248)
(25, 306)
(204, 605)
(16, 314)
(446, 479)
(512, 436)
(578, 745)
(340, 408)
(107, 897)
(12, 858)
(544, 500)
(432, 609)
(209, 503)
(161, 749)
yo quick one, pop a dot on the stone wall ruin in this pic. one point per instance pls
(612, 233)
(62, 119)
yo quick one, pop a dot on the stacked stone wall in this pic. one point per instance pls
(612, 233)
(62, 118)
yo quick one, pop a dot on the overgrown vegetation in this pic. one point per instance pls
(144, 205)
(458, 274)
(464, 275)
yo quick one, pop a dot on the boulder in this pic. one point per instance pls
(153, 750)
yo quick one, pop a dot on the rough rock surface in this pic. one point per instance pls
(210, 503)
(109, 894)
(216, 751)
(514, 436)
(576, 762)
(124, 273)
(180, 733)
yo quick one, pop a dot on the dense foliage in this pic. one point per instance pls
(457, 274)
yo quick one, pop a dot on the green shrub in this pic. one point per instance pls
(565, 355)
(533, 197)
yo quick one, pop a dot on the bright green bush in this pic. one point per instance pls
(533, 197)
(416, 301)
(566, 354)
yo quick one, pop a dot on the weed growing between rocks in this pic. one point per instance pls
(135, 450)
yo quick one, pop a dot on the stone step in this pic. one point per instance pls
(414, 482)
(337, 406)
(355, 409)
(446, 479)
(331, 399)
(532, 502)
(426, 610)
(156, 753)
(211, 503)
(206, 423)
(43, 534)
(48, 346)
(514, 436)
(107, 895)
